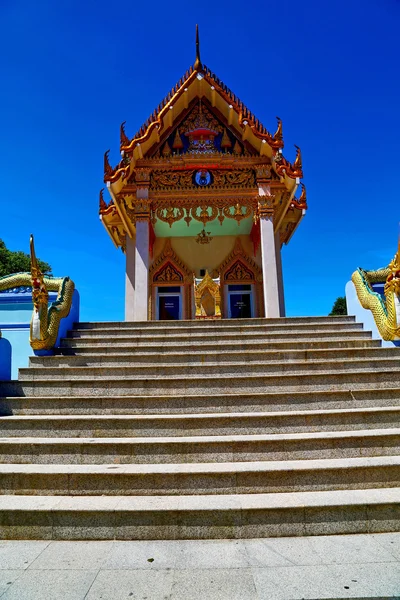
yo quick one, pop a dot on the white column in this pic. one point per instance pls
(130, 279)
(142, 271)
(269, 267)
(281, 291)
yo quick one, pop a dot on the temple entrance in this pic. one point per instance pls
(169, 303)
(240, 301)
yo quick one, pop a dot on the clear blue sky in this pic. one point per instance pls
(72, 71)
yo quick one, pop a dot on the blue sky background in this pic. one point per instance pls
(72, 71)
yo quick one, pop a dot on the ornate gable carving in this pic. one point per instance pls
(200, 133)
(238, 266)
(239, 272)
(167, 274)
(168, 267)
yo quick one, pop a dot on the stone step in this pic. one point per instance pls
(195, 424)
(363, 338)
(254, 477)
(199, 332)
(363, 397)
(200, 357)
(208, 370)
(215, 323)
(40, 384)
(217, 327)
(198, 517)
(204, 448)
(73, 347)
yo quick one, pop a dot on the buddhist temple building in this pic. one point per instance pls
(201, 203)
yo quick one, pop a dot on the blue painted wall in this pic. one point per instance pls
(5, 359)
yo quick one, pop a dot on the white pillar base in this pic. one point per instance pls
(141, 304)
(281, 292)
(269, 268)
(130, 280)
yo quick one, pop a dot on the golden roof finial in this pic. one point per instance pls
(108, 170)
(102, 202)
(298, 162)
(278, 133)
(124, 140)
(197, 63)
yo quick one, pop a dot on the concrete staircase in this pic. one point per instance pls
(218, 429)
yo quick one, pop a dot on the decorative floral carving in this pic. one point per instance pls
(139, 210)
(170, 215)
(206, 215)
(263, 172)
(265, 207)
(242, 178)
(171, 179)
(248, 265)
(167, 274)
(237, 213)
(142, 175)
(204, 237)
(219, 179)
(239, 272)
(169, 257)
(200, 118)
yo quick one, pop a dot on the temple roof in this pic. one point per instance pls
(199, 81)
(199, 110)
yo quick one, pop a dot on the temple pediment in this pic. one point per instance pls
(200, 133)
(202, 157)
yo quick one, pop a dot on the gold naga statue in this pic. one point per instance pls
(386, 308)
(45, 321)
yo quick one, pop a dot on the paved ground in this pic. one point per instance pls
(347, 566)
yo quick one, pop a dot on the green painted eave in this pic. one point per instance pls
(214, 228)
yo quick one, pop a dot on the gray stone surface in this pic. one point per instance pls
(218, 584)
(51, 585)
(148, 555)
(132, 585)
(326, 567)
(7, 578)
(14, 555)
(88, 556)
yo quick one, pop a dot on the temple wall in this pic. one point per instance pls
(206, 256)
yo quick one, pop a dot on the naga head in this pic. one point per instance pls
(40, 294)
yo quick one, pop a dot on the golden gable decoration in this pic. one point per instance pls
(168, 274)
(168, 257)
(238, 258)
(239, 272)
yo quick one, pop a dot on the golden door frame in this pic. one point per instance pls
(169, 270)
(239, 268)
